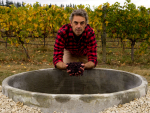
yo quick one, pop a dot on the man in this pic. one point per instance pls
(75, 42)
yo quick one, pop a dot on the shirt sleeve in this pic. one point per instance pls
(58, 49)
(92, 48)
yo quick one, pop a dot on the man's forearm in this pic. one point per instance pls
(61, 65)
(89, 65)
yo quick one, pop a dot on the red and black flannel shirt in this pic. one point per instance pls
(86, 46)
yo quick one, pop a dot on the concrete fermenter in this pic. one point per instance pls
(54, 90)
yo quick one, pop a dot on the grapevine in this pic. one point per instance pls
(124, 22)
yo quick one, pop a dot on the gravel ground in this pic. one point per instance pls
(9, 106)
(141, 105)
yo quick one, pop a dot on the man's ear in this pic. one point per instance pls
(71, 22)
(86, 23)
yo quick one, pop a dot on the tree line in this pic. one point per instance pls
(21, 4)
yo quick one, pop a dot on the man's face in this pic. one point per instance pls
(78, 24)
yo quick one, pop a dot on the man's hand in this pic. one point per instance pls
(68, 71)
(89, 65)
(74, 68)
(61, 65)
(82, 68)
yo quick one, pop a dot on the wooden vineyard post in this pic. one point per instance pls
(103, 37)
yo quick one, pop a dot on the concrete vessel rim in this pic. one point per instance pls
(5, 84)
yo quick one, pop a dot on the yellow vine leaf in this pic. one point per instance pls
(27, 40)
(149, 40)
(17, 45)
(145, 35)
(7, 28)
(11, 43)
(106, 23)
(48, 18)
(30, 18)
(35, 25)
(1, 20)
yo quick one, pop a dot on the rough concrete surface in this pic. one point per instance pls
(141, 105)
(54, 90)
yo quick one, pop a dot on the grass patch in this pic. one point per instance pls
(13, 59)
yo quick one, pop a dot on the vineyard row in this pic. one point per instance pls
(128, 23)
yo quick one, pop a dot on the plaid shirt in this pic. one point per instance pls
(86, 46)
